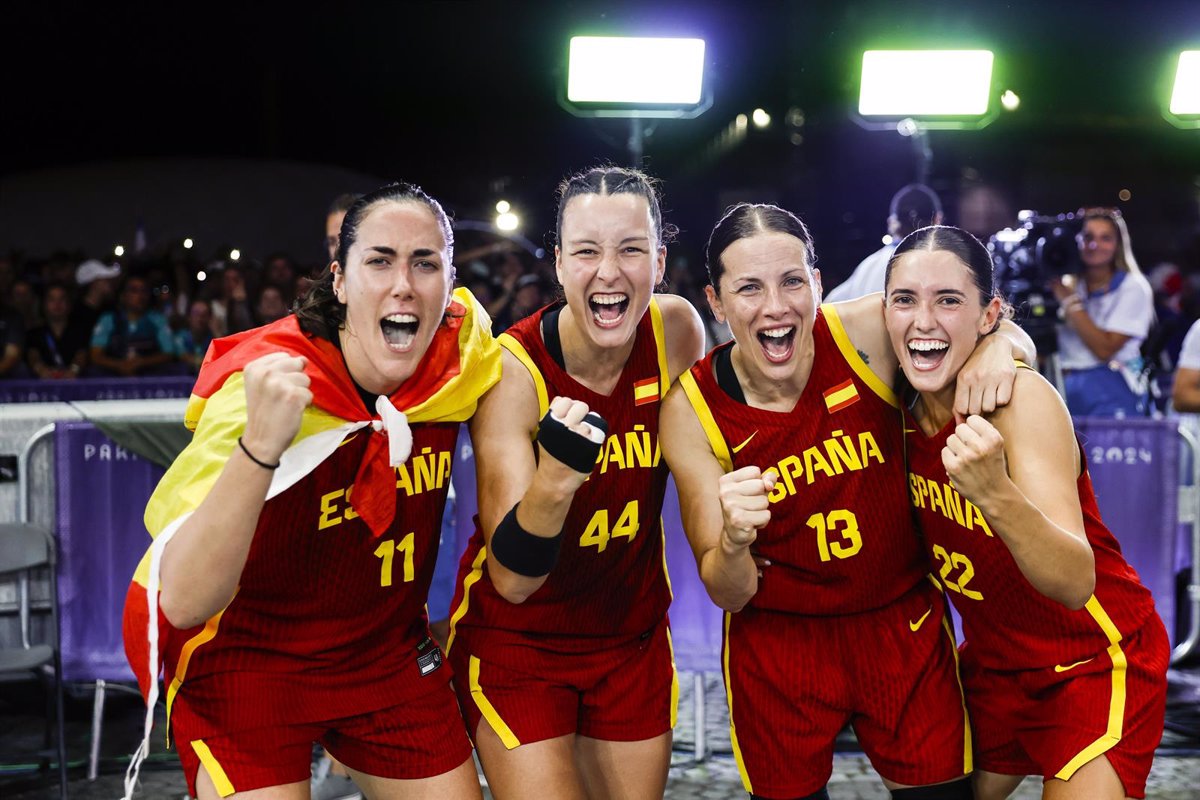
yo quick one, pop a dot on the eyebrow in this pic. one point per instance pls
(626, 240)
(939, 292)
(420, 252)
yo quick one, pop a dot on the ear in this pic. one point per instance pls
(660, 265)
(558, 264)
(714, 303)
(818, 289)
(991, 316)
(339, 282)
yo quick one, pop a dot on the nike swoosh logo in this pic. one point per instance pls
(1061, 668)
(743, 444)
(348, 439)
(916, 626)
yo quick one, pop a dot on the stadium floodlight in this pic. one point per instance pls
(1183, 110)
(1185, 96)
(623, 76)
(637, 78)
(935, 88)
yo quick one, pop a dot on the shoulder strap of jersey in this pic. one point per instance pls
(512, 345)
(852, 357)
(703, 413)
(660, 346)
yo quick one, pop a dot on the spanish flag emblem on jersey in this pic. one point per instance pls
(646, 391)
(841, 396)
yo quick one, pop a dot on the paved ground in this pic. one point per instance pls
(1174, 777)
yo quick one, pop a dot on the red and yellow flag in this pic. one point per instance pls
(646, 391)
(841, 396)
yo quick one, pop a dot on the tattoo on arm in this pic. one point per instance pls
(863, 356)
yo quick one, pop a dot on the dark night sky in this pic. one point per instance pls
(461, 97)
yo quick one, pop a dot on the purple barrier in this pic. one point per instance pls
(1135, 471)
(697, 624)
(39, 391)
(466, 500)
(102, 491)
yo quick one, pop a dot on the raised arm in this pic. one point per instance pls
(202, 564)
(510, 477)
(985, 382)
(721, 512)
(1020, 468)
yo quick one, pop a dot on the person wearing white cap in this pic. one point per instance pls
(97, 289)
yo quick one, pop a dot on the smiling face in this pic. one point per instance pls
(769, 296)
(935, 317)
(608, 264)
(396, 285)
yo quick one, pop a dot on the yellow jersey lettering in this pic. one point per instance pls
(403, 481)
(869, 448)
(935, 499)
(842, 454)
(975, 515)
(953, 504)
(637, 447)
(423, 471)
(815, 462)
(329, 509)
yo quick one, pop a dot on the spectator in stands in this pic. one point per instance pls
(59, 348)
(1106, 311)
(12, 339)
(97, 283)
(271, 305)
(192, 342)
(232, 311)
(132, 340)
(914, 206)
(24, 300)
(280, 272)
(333, 220)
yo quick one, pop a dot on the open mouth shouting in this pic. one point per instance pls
(778, 344)
(400, 331)
(609, 308)
(927, 354)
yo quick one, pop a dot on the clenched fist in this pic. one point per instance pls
(974, 458)
(744, 505)
(276, 395)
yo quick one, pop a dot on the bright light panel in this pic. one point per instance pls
(1185, 97)
(918, 83)
(605, 69)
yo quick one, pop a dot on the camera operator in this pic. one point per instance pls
(1105, 313)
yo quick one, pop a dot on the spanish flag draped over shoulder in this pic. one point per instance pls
(463, 362)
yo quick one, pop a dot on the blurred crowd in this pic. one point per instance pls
(154, 312)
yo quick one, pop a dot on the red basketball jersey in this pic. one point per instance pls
(322, 603)
(841, 539)
(1007, 623)
(610, 579)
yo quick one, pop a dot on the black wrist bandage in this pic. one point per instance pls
(576, 451)
(521, 551)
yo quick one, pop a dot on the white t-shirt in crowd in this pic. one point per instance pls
(1126, 308)
(867, 277)
(1189, 356)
